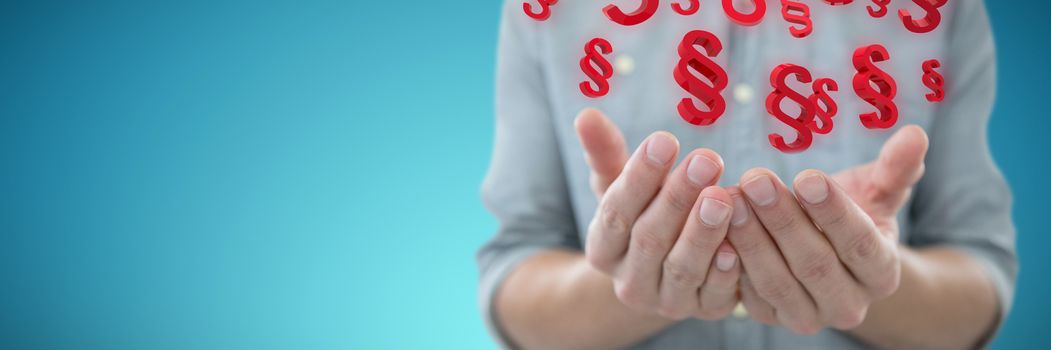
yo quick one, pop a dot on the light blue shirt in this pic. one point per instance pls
(537, 185)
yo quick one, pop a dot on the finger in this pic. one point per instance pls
(604, 148)
(659, 226)
(899, 167)
(757, 307)
(718, 295)
(643, 176)
(767, 269)
(687, 265)
(810, 256)
(868, 255)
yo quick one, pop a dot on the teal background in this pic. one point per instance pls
(304, 174)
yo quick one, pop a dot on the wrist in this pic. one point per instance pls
(938, 305)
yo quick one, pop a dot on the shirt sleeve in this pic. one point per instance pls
(525, 188)
(964, 201)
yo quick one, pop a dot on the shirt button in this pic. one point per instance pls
(624, 65)
(743, 94)
(740, 312)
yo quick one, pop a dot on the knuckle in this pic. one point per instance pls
(758, 309)
(782, 221)
(613, 220)
(719, 286)
(863, 248)
(849, 318)
(817, 268)
(777, 291)
(887, 284)
(601, 262)
(682, 275)
(836, 218)
(629, 295)
(649, 244)
(746, 247)
(647, 176)
(699, 242)
(678, 200)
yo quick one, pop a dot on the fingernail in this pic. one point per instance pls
(661, 148)
(761, 190)
(740, 215)
(714, 212)
(813, 189)
(725, 261)
(702, 171)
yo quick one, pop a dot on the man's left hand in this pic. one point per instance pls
(821, 257)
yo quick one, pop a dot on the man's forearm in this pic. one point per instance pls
(556, 300)
(945, 301)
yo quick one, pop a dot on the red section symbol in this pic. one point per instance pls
(930, 20)
(797, 13)
(838, 2)
(708, 92)
(824, 105)
(593, 56)
(545, 9)
(691, 7)
(933, 80)
(804, 136)
(745, 19)
(880, 8)
(882, 96)
(646, 10)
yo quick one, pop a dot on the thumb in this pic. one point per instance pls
(604, 148)
(900, 165)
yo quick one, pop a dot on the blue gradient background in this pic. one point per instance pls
(304, 174)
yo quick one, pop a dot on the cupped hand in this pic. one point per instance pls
(659, 232)
(821, 257)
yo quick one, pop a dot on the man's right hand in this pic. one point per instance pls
(660, 237)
